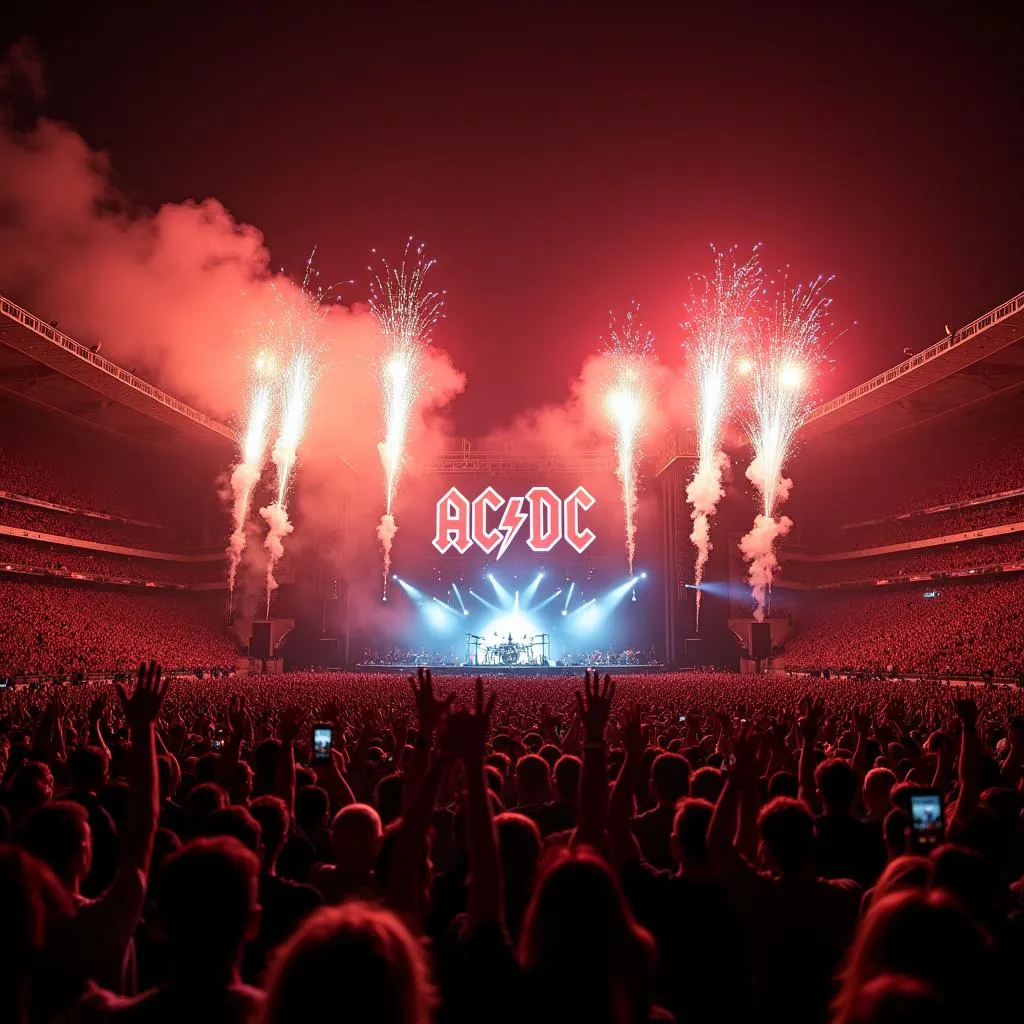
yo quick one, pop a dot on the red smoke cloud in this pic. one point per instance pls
(178, 294)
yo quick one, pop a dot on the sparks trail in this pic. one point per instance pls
(631, 347)
(252, 451)
(297, 329)
(407, 312)
(717, 326)
(789, 352)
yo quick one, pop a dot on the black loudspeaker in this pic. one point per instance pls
(695, 652)
(760, 640)
(261, 641)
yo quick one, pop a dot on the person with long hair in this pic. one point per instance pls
(356, 961)
(582, 954)
(928, 936)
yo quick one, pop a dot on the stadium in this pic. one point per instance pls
(511, 512)
(906, 562)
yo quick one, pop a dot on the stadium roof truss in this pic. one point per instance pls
(983, 359)
(43, 366)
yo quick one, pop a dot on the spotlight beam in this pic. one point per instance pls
(458, 597)
(448, 607)
(547, 600)
(503, 595)
(568, 598)
(531, 591)
(484, 601)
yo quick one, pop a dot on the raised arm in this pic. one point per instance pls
(118, 909)
(405, 876)
(429, 711)
(1010, 771)
(241, 726)
(97, 711)
(969, 793)
(284, 774)
(862, 724)
(621, 844)
(727, 830)
(593, 706)
(464, 736)
(809, 724)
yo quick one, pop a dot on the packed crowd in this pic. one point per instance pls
(699, 848)
(68, 464)
(63, 559)
(948, 557)
(969, 628)
(939, 524)
(943, 462)
(54, 629)
(54, 462)
(23, 516)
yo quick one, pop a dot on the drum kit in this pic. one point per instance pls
(508, 652)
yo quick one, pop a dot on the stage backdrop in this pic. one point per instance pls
(519, 555)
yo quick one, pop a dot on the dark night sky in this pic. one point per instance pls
(561, 159)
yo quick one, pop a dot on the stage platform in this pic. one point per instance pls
(514, 670)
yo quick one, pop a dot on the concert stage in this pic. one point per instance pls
(514, 670)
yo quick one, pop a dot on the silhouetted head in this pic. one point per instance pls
(358, 958)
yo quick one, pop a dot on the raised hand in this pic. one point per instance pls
(967, 711)
(594, 705)
(745, 768)
(634, 734)
(464, 733)
(812, 717)
(428, 708)
(290, 724)
(97, 709)
(862, 719)
(238, 717)
(400, 732)
(142, 708)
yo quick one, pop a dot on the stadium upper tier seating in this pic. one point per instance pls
(969, 628)
(67, 559)
(951, 459)
(948, 557)
(68, 464)
(56, 629)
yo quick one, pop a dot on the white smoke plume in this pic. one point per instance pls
(243, 480)
(279, 526)
(703, 492)
(386, 530)
(758, 546)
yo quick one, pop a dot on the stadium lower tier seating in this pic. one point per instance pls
(968, 628)
(57, 629)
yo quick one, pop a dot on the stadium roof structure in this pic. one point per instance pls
(42, 366)
(978, 362)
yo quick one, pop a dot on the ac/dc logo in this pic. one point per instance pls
(461, 523)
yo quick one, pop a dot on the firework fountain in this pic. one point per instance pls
(298, 330)
(252, 451)
(718, 322)
(407, 312)
(788, 354)
(630, 347)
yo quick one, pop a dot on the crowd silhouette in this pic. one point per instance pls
(667, 846)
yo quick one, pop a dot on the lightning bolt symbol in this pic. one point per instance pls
(512, 520)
